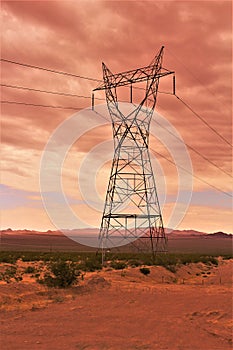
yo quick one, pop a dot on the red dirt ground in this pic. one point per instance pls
(111, 310)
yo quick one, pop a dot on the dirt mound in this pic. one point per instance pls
(97, 281)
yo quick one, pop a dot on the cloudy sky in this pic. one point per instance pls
(75, 37)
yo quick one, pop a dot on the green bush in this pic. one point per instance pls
(10, 273)
(145, 271)
(214, 260)
(227, 257)
(134, 263)
(118, 265)
(171, 268)
(90, 265)
(8, 257)
(61, 274)
(30, 269)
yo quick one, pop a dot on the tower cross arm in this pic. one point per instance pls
(132, 77)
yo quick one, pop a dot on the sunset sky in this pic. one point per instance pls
(75, 37)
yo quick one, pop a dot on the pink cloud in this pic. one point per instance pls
(77, 36)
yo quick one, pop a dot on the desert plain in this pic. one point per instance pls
(186, 308)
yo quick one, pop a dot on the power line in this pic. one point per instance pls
(194, 150)
(170, 161)
(18, 87)
(102, 116)
(197, 177)
(63, 73)
(78, 108)
(197, 79)
(50, 70)
(204, 121)
(48, 91)
(102, 99)
(87, 97)
(40, 105)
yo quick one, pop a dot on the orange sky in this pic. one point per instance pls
(76, 37)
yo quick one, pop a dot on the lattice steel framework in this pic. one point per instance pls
(132, 213)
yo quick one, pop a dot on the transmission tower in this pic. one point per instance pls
(132, 213)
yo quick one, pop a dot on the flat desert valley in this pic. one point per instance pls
(185, 308)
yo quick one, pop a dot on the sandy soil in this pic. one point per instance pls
(113, 310)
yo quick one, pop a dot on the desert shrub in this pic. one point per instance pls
(118, 265)
(10, 273)
(166, 260)
(171, 268)
(58, 299)
(9, 258)
(61, 274)
(134, 263)
(145, 271)
(205, 259)
(48, 256)
(214, 260)
(148, 260)
(30, 269)
(90, 264)
(37, 256)
(188, 259)
(227, 257)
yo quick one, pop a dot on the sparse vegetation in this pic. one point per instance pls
(9, 257)
(171, 268)
(90, 264)
(118, 265)
(145, 271)
(131, 259)
(61, 274)
(61, 269)
(30, 269)
(10, 274)
(134, 263)
(227, 257)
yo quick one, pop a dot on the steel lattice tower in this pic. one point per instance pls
(132, 213)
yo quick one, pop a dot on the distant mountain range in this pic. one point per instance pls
(193, 233)
(87, 231)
